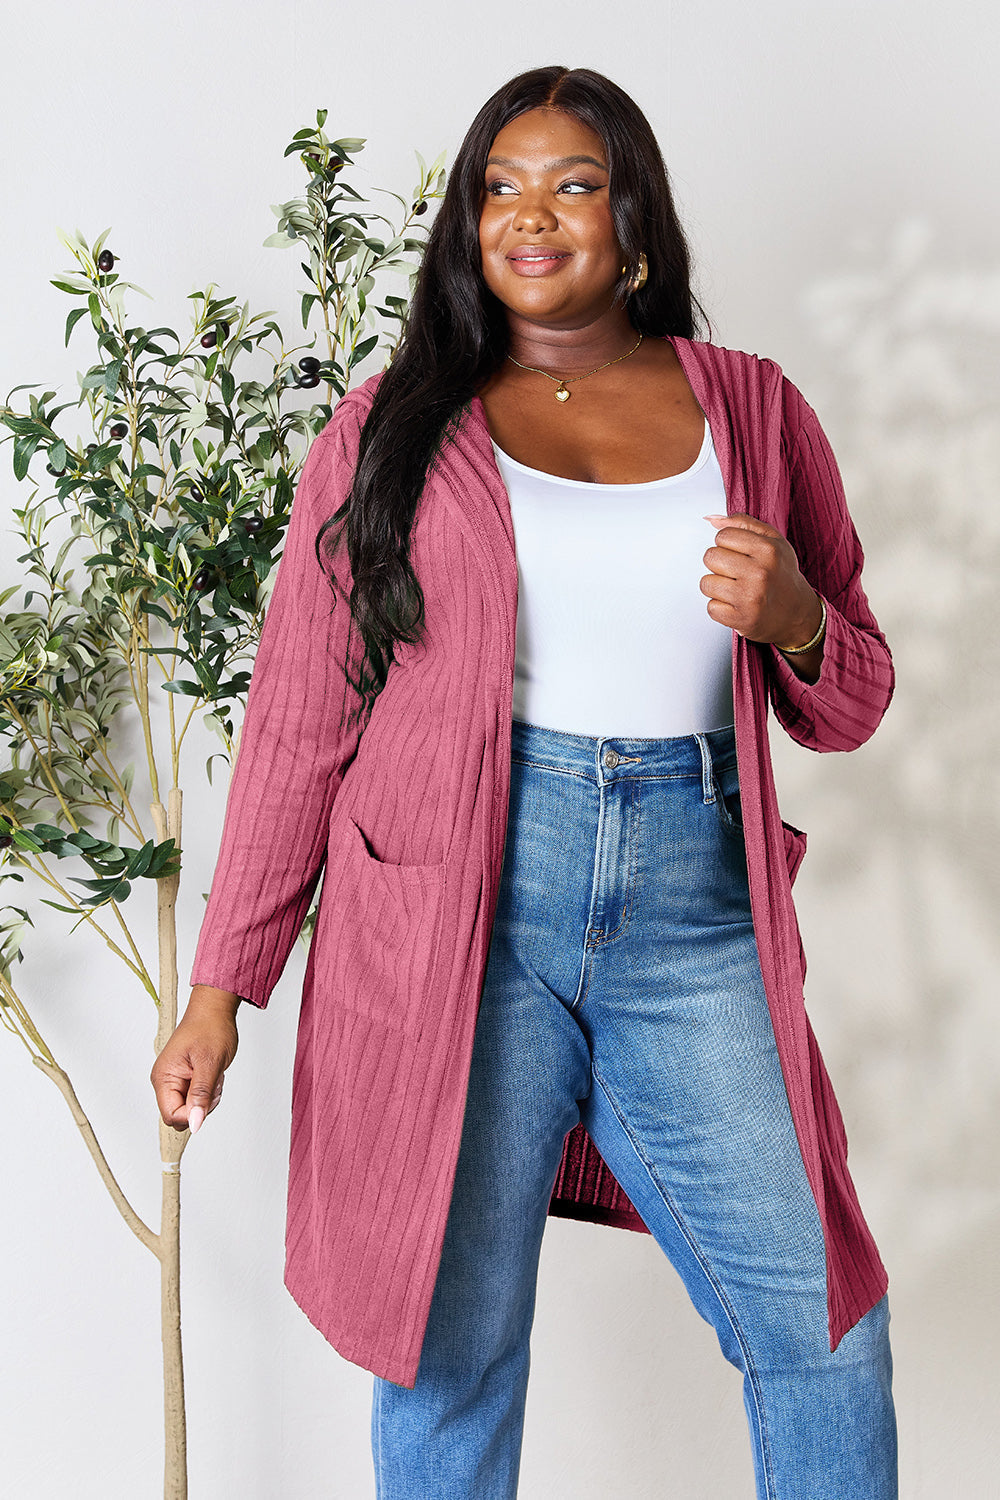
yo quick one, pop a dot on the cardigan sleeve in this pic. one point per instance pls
(298, 737)
(842, 709)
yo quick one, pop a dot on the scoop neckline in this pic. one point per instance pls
(591, 484)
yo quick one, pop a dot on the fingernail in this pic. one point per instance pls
(195, 1118)
(716, 519)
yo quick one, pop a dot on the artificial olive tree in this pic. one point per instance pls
(147, 556)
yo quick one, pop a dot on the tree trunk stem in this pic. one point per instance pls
(172, 1142)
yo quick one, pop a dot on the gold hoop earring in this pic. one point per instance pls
(639, 279)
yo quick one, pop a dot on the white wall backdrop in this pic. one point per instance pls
(836, 165)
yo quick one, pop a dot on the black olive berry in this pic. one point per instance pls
(209, 340)
(5, 840)
(253, 524)
(307, 382)
(203, 579)
(309, 365)
(56, 473)
(421, 207)
(105, 261)
(119, 430)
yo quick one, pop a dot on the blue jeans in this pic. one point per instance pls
(623, 989)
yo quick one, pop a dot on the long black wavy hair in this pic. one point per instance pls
(456, 337)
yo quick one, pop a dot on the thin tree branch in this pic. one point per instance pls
(142, 1231)
(38, 867)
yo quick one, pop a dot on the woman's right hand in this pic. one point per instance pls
(187, 1075)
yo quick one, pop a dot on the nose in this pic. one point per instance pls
(534, 212)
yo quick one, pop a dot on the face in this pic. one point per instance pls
(549, 249)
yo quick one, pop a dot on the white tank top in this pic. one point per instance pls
(613, 637)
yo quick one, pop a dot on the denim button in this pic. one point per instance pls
(611, 758)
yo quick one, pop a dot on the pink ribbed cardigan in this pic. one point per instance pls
(409, 821)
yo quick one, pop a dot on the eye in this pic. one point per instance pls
(498, 188)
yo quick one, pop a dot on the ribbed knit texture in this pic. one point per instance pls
(410, 820)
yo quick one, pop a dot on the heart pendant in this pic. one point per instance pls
(562, 394)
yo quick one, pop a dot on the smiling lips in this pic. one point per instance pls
(536, 260)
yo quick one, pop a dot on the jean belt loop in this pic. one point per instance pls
(707, 778)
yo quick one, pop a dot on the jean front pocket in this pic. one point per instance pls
(726, 782)
(377, 931)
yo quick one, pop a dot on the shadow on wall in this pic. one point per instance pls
(913, 357)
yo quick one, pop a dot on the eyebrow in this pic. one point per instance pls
(549, 166)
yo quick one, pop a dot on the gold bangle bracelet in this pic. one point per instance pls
(809, 645)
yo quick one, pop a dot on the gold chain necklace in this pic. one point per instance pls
(562, 394)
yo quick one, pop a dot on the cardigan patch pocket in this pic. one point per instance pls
(727, 800)
(381, 931)
(795, 848)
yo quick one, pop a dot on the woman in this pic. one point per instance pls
(555, 965)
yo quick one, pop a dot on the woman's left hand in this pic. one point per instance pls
(754, 585)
